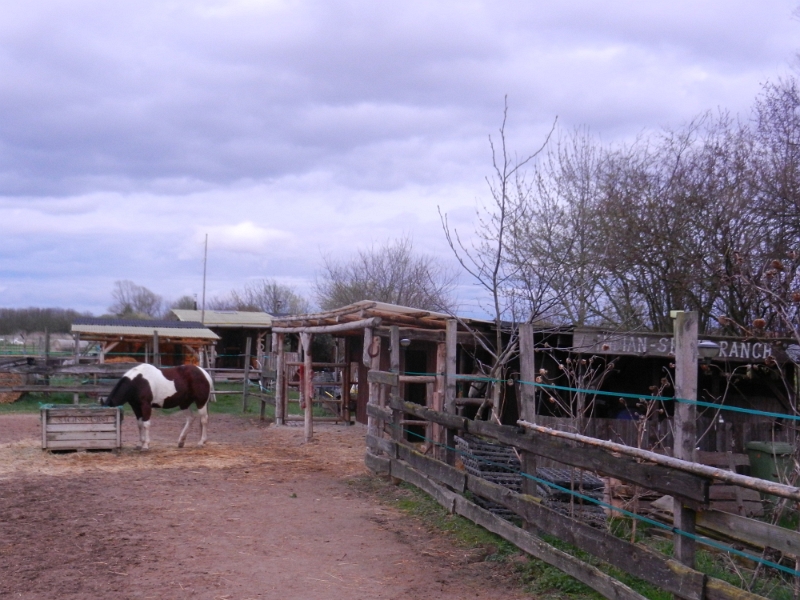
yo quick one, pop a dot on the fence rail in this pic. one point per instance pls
(390, 450)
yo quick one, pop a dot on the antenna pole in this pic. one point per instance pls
(205, 262)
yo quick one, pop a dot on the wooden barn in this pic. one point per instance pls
(234, 328)
(167, 343)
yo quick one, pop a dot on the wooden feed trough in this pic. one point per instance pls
(81, 428)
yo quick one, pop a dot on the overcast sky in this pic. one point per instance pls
(292, 131)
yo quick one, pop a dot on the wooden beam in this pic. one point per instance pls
(762, 485)
(383, 378)
(331, 314)
(306, 339)
(373, 428)
(691, 487)
(591, 576)
(280, 383)
(634, 559)
(451, 343)
(337, 328)
(447, 420)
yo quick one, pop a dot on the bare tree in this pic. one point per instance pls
(185, 303)
(135, 301)
(265, 295)
(516, 290)
(392, 272)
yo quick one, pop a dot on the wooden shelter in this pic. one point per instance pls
(234, 328)
(370, 333)
(137, 340)
(636, 365)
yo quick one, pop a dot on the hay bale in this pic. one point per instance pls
(121, 359)
(10, 380)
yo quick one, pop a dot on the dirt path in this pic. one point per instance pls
(255, 514)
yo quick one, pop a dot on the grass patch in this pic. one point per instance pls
(226, 404)
(533, 576)
(539, 578)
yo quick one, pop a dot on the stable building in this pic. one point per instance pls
(162, 343)
(233, 328)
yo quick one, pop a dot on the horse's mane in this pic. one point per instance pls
(114, 391)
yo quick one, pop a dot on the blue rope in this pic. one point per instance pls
(750, 411)
(700, 539)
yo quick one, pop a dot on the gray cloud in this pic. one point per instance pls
(286, 130)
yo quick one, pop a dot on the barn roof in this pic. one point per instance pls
(95, 327)
(364, 311)
(225, 318)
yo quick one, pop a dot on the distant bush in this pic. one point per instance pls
(27, 320)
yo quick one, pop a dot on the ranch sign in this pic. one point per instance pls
(640, 344)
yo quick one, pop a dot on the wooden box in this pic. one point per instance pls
(81, 427)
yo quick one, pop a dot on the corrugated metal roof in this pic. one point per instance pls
(225, 318)
(129, 327)
(116, 322)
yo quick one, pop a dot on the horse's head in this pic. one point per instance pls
(120, 394)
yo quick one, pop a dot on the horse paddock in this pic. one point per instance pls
(256, 513)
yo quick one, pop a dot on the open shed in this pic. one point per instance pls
(749, 374)
(436, 348)
(233, 327)
(138, 340)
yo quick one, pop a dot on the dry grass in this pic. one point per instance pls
(8, 380)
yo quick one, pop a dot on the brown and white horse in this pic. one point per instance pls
(146, 386)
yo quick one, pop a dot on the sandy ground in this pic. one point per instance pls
(255, 514)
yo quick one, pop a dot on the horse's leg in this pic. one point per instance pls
(146, 436)
(137, 411)
(140, 424)
(203, 412)
(189, 419)
(145, 426)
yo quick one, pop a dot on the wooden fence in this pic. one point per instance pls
(727, 436)
(390, 452)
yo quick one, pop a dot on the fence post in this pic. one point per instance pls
(246, 382)
(394, 391)
(439, 437)
(156, 354)
(76, 356)
(308, 384)
(280, 376)
(451, 341)
(685, 424)
(373, 351)
(527, 403)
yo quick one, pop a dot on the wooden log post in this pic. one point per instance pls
(308, 385)
(346, 398)
(438, 432)
(246, 381)
(394, 391)
(685, 424)
(527, 406)
(76, 358)
(156, 353)
(451, 351)
(451, 343)
(280, 378)
(373, 350)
